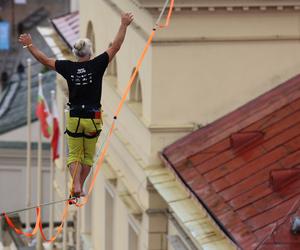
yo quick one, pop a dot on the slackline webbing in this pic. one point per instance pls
(99, 161)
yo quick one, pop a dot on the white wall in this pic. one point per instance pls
(13, 181)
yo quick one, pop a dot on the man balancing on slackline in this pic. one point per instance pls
(84, 78)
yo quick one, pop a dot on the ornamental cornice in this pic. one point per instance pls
(228, 5)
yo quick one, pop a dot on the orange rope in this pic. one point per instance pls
(138, 66)
(19, 231)
(98, 166)
(38, 225)
(59, 229)
(169, 16)
(121, 103)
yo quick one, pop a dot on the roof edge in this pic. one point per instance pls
(214, 218)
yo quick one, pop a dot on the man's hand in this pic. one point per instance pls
(127, 18)
(25, 40)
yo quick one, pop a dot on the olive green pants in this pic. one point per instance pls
(82, 149)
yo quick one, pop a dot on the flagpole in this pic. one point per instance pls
(39, 172)
(78, 226)
(51, 215)
(28, 159)
(63, 155)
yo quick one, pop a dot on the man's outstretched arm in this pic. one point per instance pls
(26, 41)
(126, 20)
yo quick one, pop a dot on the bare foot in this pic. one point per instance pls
(84, 174)
(77, 190)
(75, 170)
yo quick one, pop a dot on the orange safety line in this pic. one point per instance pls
(65, 212)
(169, 15)
(98, 166)
(38, 225)
(121, 103)
(19, 231)
(129, 84)
(59, 229)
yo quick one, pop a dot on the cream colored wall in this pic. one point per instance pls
(106, 23)
(231, 24)
(205, 80)
(185, 81)
(98, 213)
(217, 80)
(120, 214)
(202, 81)
(151, 227)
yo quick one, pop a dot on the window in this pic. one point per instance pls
(109, 219)
(90, 34)
(112, 67)
(135, 94)
(133, 239)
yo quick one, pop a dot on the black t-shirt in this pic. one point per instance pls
(84, 79)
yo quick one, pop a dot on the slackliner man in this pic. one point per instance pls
(84, 78)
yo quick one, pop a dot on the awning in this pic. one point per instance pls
(67, 26)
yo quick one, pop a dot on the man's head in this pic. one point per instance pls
(83, 48)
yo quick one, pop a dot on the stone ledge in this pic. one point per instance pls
(209, 4)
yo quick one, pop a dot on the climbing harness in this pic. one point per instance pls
(84, 112)
(98, 163)
(76, 134)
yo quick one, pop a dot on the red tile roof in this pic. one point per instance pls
(68, 27)
(228, 165)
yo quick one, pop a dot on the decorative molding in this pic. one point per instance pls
(159, 128)
(128, 198)
(217, 3)
(18, 145)
(231, 39)
(226, 5)
(187, 212)
(134, 25)
(10, 169)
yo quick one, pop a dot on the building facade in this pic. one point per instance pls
(214, 57)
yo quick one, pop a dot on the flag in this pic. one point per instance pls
(55, 131)
(43, 114)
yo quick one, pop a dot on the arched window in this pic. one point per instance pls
(112, 67)
(90, 34)
(135, 94)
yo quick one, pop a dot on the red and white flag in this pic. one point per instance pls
(43, 113)
(55, 131)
